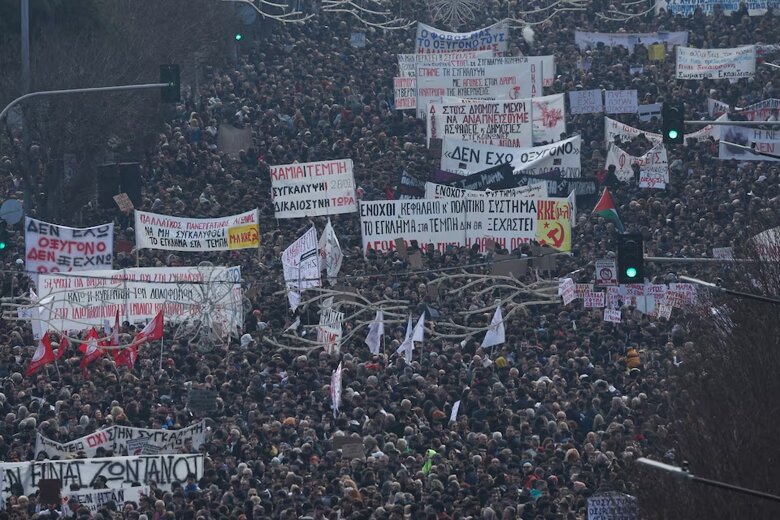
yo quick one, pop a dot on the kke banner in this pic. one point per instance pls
(442, 191)
(653, 166)
(118, 439)
(502, 123)
(50, 248)
(735, 63)
(553, 227)
(407, 63)
(78, 301)
(153, 231)
(405, 93)
(562, 157)
(590, 40)
(761, 142)
(492, 38)
(118, 472)
(440, 223)
(586, 102)
(313, 189)
(484, 78)
(94, 500)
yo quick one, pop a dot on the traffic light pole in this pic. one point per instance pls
(43, 93)
(734, 123)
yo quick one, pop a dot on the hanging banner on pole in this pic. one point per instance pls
(49, 248)
(313, 189)
(153, 231)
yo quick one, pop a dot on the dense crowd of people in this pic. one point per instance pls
(548, 419)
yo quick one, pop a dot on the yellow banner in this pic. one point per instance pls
(243, 237)
(657, 52)
(553, 224)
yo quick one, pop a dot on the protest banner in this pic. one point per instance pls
(301, 265)
(621, 102)
(767, 244)
(606, 272)
(313, 189)
(49, 248)
(735, 63)
(329, 330)
(351, 448)
(648, 112)
(117, 438)
(405, 93)
(626, 133)
(495, 178)
(78, 301)
(492, 38)
(581, 288)
(442, 191)
(557, 186)
(553, 227)
(762, 111)
(593, 299)
(707, 7)
(723, 253)
(358, 39)
(118, 472)
(123, 202)
(202, 400)
(586, 102)
(562, 157)
(566, 290)
(717, 108)
(407, 63)
(588, 40)
(153, 231)
(409, 187)
(761, 141)
(94, 500)
(653, 166)
(612, 505)
(612, 315)
(503, 123)
(231, 140)
(440, 223)
(484, 80)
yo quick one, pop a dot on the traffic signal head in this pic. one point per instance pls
(172, 93)
(673, 123)
(630, 258)
(238, 37)
(4, 238)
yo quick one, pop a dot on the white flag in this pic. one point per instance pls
(335, 390)
(375, 332)
(419, 329)
(330, 253)
(408, 345)
(495, 335)
(454, 414)
(572, 200)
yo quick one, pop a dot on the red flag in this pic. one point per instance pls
(64, 345)
(92, 350)
(43, 355)
(127, 357)
(153, 330)
(113, 338)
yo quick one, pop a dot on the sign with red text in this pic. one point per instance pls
(50, 248)
(313, 189)
(653, 166)
(735, 63)
(606, 272)
(153, 231)
(405, 93)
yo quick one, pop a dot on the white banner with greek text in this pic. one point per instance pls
(153, 231)
(49, 248)
(739, 62)
(503, 123)
(492, 38)
(313, 189)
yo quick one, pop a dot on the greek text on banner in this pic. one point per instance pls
(739, 62)
(50, 248)
(153, 231)
(492, 38)
(313, 189)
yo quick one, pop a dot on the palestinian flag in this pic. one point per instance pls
(605, 208)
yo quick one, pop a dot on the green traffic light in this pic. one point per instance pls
(672, 134)
(631, 272)
(2, 245)
(238, 37)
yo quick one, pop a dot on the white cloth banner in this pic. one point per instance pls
(503, 123)
(464, 156)
(49, 248)
(717, 108)
(405, 93)
(688, 7)
(739, 62)
(301, 266)
(765, 141)
(375, 332)
(767, 110)
(331, 256)
(329, 331)
(496, 333)
(613, 128)
(119, 472)
(648, 112)
(510, 223)
(153, 231)
(116, 439)
(492, 38)
(78, 301)
(653, 166)
(94, 500)
(586, 102)
(335, 390)
(549, 118)
(313, 189)
(585, 40)
(485, 80)
(621, 102)
(441, 191)
(407, 63)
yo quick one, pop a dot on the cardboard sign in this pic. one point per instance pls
(124, 202)
(612, 315)
(621, 102)
(586, 102)
(606, 272)
(350, 448)
(202, 400)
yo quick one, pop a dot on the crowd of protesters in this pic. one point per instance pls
(548, 419)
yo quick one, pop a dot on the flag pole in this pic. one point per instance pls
(162, 348)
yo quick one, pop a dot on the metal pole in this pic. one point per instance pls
(25, 46)
(698, 260)
(79, 91)
(734, 123)
(718, 289)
